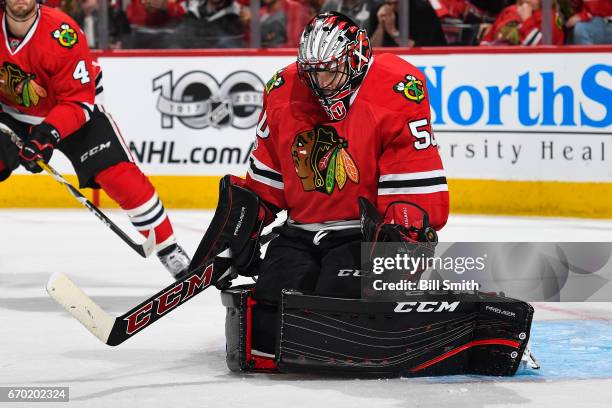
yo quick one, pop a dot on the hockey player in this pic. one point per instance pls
(338, 125)
(344, 144)
(50, 94)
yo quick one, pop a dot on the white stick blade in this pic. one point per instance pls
(80, 306)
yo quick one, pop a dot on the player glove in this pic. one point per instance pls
(39, 146)
(404, 223)
(237, 224)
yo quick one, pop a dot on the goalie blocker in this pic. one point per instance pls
(237, 225)
(430, 334)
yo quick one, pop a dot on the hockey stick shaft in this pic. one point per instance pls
(143, 250)
(115, 330)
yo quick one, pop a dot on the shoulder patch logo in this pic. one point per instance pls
(411, 89)
(275, 82)
(321, 160)
(66, 36)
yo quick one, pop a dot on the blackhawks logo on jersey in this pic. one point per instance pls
(322, 161)
(275, 82)
(411, 89)
(20, 87)
(66, 36)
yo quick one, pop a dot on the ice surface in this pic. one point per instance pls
(180, 360)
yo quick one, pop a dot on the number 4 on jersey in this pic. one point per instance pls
(424, 139)
(80, 72)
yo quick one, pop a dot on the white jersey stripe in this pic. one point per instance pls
(413, 190)
(413, 176)
(265, 180)
(117, 132)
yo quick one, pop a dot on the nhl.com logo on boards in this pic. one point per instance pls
(199, 100)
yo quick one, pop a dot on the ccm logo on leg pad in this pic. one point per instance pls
(425, 307)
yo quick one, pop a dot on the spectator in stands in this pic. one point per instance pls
(87, 16)
(67, 6)
(299, 13)
(281, 21)
(492, 7)
(591, 21)
(424, 25)
(273, 23)
(461, 10)
(155, 13)
(461, 20)
(211, 24)
(154, 21)
(520, 24)
(362, 12)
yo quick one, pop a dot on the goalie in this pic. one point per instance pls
(344, 144)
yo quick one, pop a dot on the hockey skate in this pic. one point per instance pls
(528, 360)
(175, 260)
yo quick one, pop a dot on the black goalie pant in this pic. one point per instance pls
(325, 264)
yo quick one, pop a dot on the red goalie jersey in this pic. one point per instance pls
(49, 76)
(383, 149)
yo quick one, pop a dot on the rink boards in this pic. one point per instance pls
(519, 132)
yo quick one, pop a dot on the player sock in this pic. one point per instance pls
(135, 194)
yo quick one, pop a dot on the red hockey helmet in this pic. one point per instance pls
(333, 58)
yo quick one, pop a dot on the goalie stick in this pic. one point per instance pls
(145, 249)
(115, 330)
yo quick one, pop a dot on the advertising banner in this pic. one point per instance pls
(510, 127)
(515, 117)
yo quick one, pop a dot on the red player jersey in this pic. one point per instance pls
(508, 28)
(50, 76)
(383, 149)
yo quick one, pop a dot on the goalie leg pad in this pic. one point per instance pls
(239, 303)
(441, 334)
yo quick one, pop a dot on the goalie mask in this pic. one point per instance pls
(333, 58)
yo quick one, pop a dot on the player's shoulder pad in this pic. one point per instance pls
(285, 87)
(61, 29)
(395, 83)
